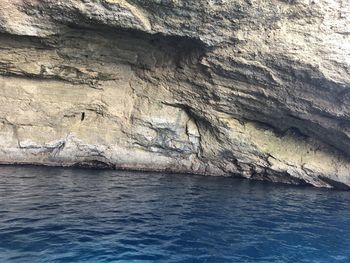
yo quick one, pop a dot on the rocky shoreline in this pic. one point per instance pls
(255, 89)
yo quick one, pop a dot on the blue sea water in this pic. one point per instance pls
(73, 215)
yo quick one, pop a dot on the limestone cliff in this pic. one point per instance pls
(251, 88)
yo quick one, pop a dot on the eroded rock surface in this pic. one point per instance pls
(252, 88)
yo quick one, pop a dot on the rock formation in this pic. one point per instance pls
(251, 88)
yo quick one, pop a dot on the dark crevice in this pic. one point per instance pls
(335, 184)
(180, 49)
(94, 164)
(275, 177)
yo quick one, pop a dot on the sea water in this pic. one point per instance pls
(73, 215)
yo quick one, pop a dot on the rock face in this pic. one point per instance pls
(251, 88)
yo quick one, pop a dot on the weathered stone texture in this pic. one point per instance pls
(252, 88)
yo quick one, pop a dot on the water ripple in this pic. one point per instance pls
(72, 215)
